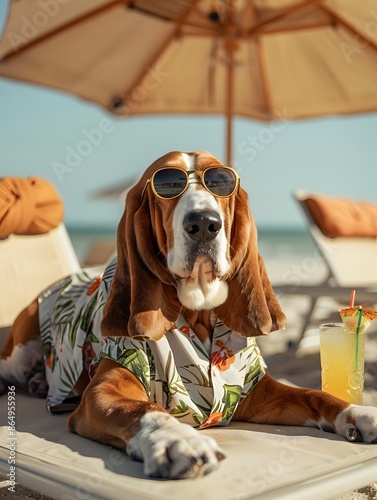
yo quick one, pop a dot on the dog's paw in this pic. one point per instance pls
(358, 423)
(38, 386)
(3, 386)
(172, 450)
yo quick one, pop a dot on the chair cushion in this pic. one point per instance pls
(28, 206)
(343, 217)
(263, 461)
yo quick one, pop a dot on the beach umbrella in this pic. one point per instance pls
(263, 59)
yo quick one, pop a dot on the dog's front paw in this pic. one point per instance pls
(3, 386)
(358, 423)
(38, 386)
(172, 450)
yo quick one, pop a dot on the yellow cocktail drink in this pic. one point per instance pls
(342, 361)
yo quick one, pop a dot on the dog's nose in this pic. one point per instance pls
(202, 226)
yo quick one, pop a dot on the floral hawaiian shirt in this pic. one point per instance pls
(200, 388)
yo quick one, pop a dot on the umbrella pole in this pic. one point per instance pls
(230, 45)
(229, 109)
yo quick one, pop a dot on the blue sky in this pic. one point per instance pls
(40, 128)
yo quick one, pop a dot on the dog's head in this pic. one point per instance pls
(187, 238)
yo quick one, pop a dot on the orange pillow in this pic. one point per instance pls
(28, 206)
(343, 217)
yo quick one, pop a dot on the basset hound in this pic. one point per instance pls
(163, 344)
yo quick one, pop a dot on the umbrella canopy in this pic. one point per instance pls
(357, 316)
(252, 58)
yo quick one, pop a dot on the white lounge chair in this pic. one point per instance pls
(345, 234)
(28, 264)
(263, 462)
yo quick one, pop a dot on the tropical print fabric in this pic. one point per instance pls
(201, 388)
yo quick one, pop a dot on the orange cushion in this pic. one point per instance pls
(28, 206)
(343, 217)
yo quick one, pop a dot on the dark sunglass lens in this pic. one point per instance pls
(220, 181)
(169, 182)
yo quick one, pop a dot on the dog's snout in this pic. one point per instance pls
(202, 226)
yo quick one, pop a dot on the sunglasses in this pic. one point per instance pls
(169, 182)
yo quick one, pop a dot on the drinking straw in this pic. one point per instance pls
(352, 298)
(360, 312)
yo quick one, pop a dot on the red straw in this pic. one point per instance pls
(352, 298)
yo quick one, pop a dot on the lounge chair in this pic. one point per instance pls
(262, 461)
(35, 249)
(30, 263)
(345, 236)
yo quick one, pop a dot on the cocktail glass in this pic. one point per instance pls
(342, 347)
(342, 361)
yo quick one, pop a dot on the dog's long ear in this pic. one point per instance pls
(251, 307)
(142, 300)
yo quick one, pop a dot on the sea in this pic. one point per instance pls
(274, 243)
